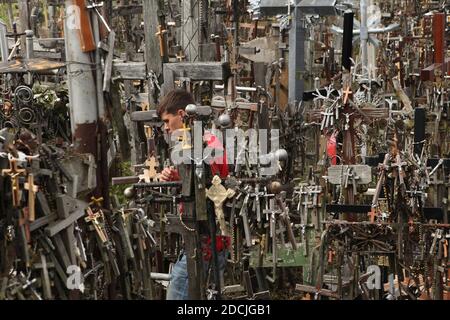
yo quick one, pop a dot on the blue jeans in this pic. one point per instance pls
(178, 287)
(179, 283)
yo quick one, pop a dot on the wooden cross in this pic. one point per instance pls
(96, 201)
(150, 174)
(14, 172)
(372, 214)
(181, 56)
(347, 92)
(32, 189)
(93, 217)
(161, 32)
(218, 194)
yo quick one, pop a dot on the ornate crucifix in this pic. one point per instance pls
(218, 194)
(14, 172)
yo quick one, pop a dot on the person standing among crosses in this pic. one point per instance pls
(171, 110)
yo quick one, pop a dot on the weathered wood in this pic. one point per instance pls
(118, 122)
(124, 180)
(60, 225)
(152, 56)
(127, 10)
(109, 62)
(48, 55)
(43, 221)
(335, 174)
(144, 116)
(190, 30)
(209, 71)
(24, 23)
(220, 104)
(129, 70)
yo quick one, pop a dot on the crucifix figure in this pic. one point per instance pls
(93, 217)
(32, 189)
(14, 172)
(218, 194)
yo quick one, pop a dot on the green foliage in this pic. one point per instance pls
(124, 169)
(4, 14)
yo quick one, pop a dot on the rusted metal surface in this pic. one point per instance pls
(428, 74)
(439, 37)
(84, 138)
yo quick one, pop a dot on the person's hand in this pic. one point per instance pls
(166, 174)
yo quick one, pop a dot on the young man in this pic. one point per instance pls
(172, 111)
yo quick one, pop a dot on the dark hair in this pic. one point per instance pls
(175, 100)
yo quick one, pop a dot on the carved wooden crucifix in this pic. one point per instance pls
(218, 194)
(14, 172)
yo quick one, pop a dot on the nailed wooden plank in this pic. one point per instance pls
(209, 71)
(129, 70)
(60, 225)
(124, 180)
(336, 174)
(69, 219)
(43, 221)
(126, 10)
(216, 103)
(47, 55)
(43, 203)
(143, 116)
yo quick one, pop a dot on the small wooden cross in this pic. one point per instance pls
(14, 172)
(161, 32)
(93, 217)
(372, 214)
(347, 92)
(96, 201)
(32, 189)
(218, 194)
(150, 174)
(181, 56)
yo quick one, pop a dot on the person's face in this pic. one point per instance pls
(172, 122)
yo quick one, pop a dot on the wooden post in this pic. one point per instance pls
(24, 23)
(152, 54)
